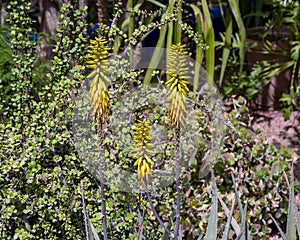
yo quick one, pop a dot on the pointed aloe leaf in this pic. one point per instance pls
(89, 235)
(169, 226)
(240, 208)
(229, 220)
(210, 41)
(157, 3)
(291, 220)
(298, 221)
(221, 10)
(279, 228)
(248, 233)
(201, 236)
(227, 44)
(244, 234)
(211, 232)
(199, 50)
(244, 222)
(234, 4)
(93, 231)
(156, 55)
(88, 232)
(237, 195)
(234, 223)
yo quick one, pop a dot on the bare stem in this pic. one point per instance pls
(103, 209)
(102, 189)
(84, 208)
(178, 184)
(157, 216)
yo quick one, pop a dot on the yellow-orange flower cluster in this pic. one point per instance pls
(99, 96)
(142, 150)
(177, 85)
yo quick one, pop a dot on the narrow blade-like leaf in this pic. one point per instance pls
(156, 55)
(291, 220)
(234, 223)
(210, 41)
(279, 228)
(199, 50)
(227, 228)
(234, 4)
(227, 44)
(211, 232)
(242, 237)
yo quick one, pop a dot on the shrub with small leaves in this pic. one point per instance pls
(40, 171)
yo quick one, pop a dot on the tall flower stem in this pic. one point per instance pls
(177, 93)
(102, 189)
(99, 106)
(160, 221)
(178, 183)
(103, 206)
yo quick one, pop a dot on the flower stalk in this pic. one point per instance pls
(99, 105)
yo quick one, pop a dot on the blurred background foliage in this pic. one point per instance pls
(43, 181)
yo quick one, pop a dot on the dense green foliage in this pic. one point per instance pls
(6, 63)
(40, 172)
(273, 44)
(46, 191)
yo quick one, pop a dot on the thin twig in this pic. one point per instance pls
(156, 214)
(177, 8)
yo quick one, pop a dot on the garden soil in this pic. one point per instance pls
(281, 133)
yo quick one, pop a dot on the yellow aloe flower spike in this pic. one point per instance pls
(142, 150)
(99, 96)
(177, 85)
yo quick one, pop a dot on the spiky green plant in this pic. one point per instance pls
(177, 85)
(99, 96)
(293, 218)
(142, 151)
